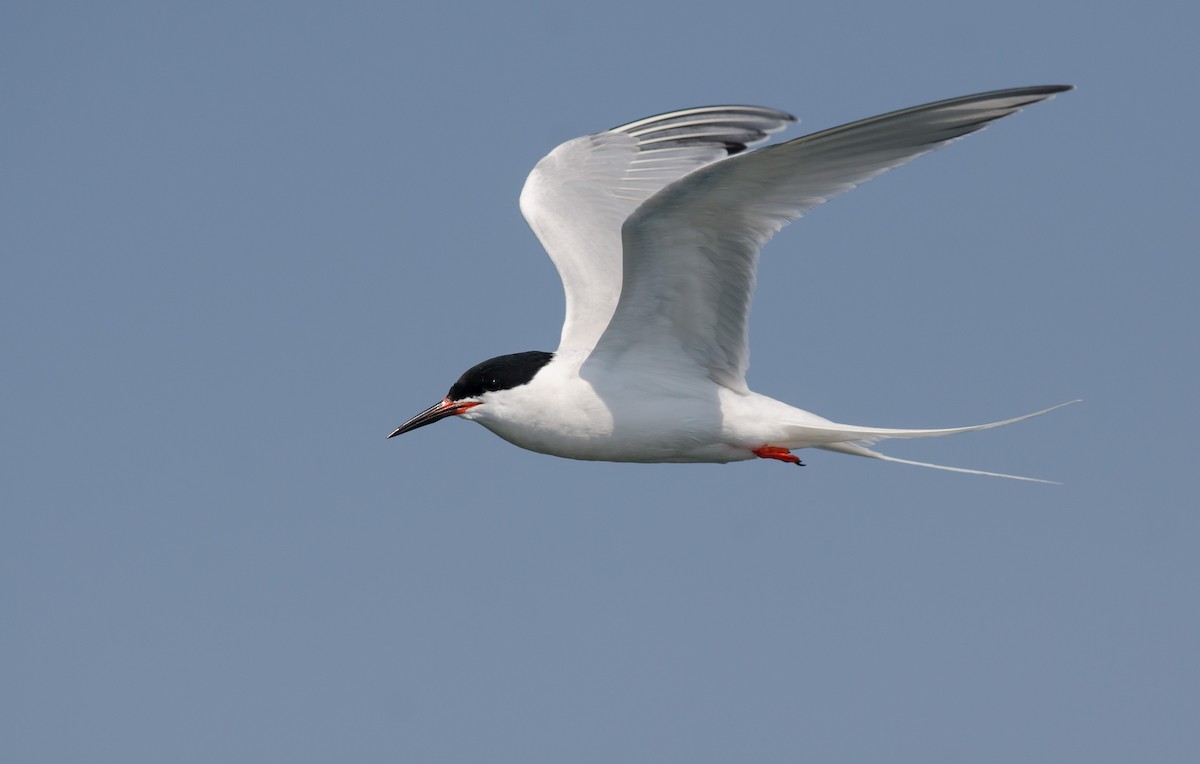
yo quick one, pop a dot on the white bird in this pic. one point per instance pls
(655, 228)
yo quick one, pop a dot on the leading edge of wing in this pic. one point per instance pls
(691, 250)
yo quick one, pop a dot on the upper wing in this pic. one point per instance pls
(578, 196)
(691, 251)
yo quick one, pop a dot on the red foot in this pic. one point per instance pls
(775, 452)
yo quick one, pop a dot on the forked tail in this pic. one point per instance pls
(851, 439)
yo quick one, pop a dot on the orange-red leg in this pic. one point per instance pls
(775, 452)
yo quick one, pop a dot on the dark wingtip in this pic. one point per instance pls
(1045, 90)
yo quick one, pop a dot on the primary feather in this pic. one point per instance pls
(691, 250)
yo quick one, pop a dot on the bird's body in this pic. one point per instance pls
(566, 410)
(655, 228)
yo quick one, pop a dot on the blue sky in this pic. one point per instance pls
(242, 242)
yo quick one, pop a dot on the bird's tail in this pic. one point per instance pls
(852, 439)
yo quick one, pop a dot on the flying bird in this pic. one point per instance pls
(655, 228)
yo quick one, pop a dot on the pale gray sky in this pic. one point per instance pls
(242, 242)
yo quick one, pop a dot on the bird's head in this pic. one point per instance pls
(476, 384)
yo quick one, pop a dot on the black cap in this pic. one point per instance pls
(500, 373)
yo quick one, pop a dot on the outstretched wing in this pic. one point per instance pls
(578, 196)
(691, 250)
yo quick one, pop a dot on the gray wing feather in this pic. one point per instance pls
(579, 195)
(691, 250)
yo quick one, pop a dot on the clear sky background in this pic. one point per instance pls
(243, 241)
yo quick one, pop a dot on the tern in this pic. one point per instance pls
(655, 228)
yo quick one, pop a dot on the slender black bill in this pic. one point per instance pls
(439, 410)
